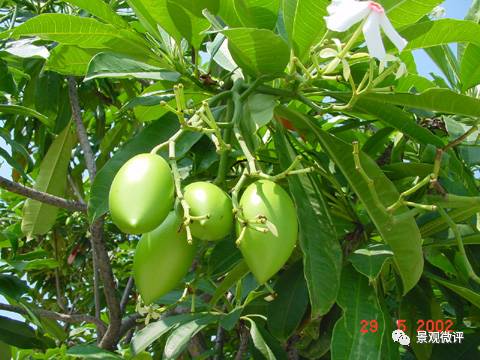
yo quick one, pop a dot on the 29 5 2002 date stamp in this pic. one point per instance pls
(427, 331)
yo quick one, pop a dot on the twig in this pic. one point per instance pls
(74, 318)
(41, 196)
(126, 294)
(219, 343)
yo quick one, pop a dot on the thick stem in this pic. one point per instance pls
(41, 196)
(126, 294)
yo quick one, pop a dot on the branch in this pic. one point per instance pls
(109, 288)
(41, 196)
(126, 294)
(243, 347)
(74, 318)
(81, 132)
(102, 261)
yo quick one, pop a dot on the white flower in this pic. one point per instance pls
(343, 14)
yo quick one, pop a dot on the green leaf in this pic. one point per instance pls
(12, 286)
(404, 12)
(189, 20)
(155, 330)
(180, 337)
(399, 231)
(468, 294)
(234, 275)
(19, 334)
(440, 100)
(152, 13)
(38, 218)
(101, 10)
(24, 111)
(258, 51)
(259, 342)
(369, 261)
(358, 302)
(32, 265)
(250, 13)
(469, 69)
(70, 60)
(149, 137)
(83, 32)
(322, 255)
(12, 162)
(92, 352)
(395, 117)
(259, 110)
(223, 257)
(286, 312)
(111, 65)
(431, 33)
(467, 350)
(304, 23)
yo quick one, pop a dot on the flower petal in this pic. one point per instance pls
(345, 14)
(371, 31)
(392, 34)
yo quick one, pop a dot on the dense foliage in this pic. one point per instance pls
(300, 126)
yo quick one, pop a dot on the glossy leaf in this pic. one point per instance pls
(286, 311)
(70, 60)
(83, 32)
(369, 261)
(101, 10)
(322, 255)
(399, 232)
(250, 13)
(441, 100)
(404, 12)
(304, 23)
(19, 334)
(234, 275)
(111, 65)
(24, 111)
(470, 71)
(92, 352)
(259, 342)
(466, 293)
(154, 12)
(358, 302)
(179, 338)
(153, 331)
(38, 218)
(12, 286)
(396, 118)
(431, 33)
(258, 51)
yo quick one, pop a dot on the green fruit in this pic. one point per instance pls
(266, 252)
(5, 351)
(208, 199)
(162, 258)
(141, 195)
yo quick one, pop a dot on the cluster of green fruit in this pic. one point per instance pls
(141, 201)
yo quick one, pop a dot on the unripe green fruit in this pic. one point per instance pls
(141, 195)
(162, 258)
(266, 252)
(5, 351)
(207, 199)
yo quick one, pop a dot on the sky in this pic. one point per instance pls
(454, 8)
